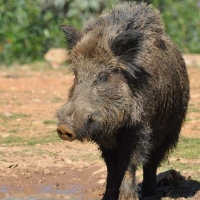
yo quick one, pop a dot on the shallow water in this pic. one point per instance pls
(73, 192)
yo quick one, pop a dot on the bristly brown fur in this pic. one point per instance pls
(130, 94)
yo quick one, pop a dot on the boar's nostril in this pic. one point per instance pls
(59, 132)
(70, 135)
(65, 134)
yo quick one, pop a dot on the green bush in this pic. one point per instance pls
(29, 28)
(26, 32)
(182, 21)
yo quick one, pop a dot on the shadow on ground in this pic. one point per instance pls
(172, 185)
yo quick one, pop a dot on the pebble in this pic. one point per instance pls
(61, 173)
(7, 114)
(47, 172)
(28, 175)
(101, 181)
(68, 161)
(4, 135)
(14, 176)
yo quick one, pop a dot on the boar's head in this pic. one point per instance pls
(105, 96)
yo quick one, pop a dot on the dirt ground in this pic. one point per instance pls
(34, 162)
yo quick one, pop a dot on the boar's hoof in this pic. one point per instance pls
(65, 134)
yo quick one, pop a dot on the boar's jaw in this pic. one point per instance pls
(65, 134)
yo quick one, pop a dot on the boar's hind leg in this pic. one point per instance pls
(150, 167)
(149, 179)
(113, 178)
(154, 160)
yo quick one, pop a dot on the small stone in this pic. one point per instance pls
(28, 175)
(61, 173)
(37, 123)
(7, 114)
(101, 181)
(37, 170)
(4, 135)
(47, 172)
(56, 56)
(14, 176)
(68, 161)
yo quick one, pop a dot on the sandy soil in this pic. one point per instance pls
(54, 169)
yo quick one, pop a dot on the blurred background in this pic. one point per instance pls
(34, 81)
(30, 28)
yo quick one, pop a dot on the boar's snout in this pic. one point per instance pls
(65, 134)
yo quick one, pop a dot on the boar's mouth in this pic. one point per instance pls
(65, 134)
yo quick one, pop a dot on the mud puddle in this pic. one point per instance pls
(56, 183)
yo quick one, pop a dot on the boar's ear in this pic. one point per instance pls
(126, 43)
(72, 35)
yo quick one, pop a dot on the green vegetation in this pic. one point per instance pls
(30, 28)
(87, 157)
(26, 30)
(14, 131)
(30, 141)
(50, 122)
(10, 116)
(185, 157)
(182, 23)
(188, 148)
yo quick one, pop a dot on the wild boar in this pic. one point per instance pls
(130, 94)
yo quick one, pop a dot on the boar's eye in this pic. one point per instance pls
(103, 77)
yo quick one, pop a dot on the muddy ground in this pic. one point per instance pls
(34, 162)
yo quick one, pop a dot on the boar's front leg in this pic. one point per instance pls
(121, 171)
(114, 178)
(128, 186)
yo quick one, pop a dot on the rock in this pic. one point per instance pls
(28, 175)
(4, 135)
(101, 181)
(10, 164)
(37, 170)
(40, 181)
(7, 114)
(56, 56)
(47, 172)
(169, 178)
(68, 161)
(61, 173)
(14, 176)
(37, 123)
(192, 59)
(99, 171)
(36, 101)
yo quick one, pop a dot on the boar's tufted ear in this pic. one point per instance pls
(126, 43)
(72, 35)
